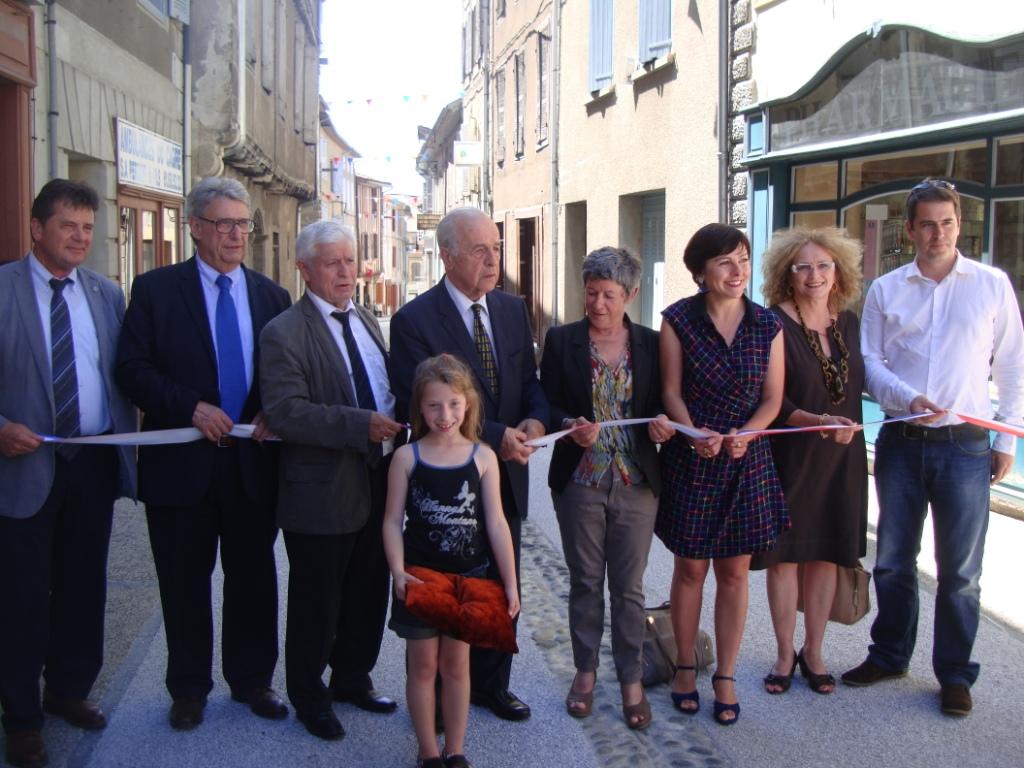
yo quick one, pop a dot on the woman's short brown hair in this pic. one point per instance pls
(846, 251)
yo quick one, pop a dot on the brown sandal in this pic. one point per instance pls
(579, 704)
(637, 716)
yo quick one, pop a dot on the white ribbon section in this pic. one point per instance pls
(154, 437)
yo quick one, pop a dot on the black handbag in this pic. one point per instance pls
(659, 651)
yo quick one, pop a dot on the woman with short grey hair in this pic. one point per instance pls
(605, 481)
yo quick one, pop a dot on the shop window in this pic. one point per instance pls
(878, 223)
(1008, 242)
(966, 162)
(1010, 160)
(818, 181)
(814, 219)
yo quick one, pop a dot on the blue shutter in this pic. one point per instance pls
(655, 29)
(600, 44)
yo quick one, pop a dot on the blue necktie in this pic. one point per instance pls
(230, 361)
(62, 366)
(364, 392)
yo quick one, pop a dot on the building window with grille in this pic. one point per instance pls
(543, 65)
(499, 117)
(655, 29)
(600, 67)
(520, 60)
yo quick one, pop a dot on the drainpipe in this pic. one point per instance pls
(556, 56)
(186, 122)
(723, 110)
(485, 169)
(52, 115)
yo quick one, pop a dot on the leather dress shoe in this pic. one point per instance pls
(26, 750)
(956, 700)
(503, 703)
(322, 723)
(869, 673)
(264, 702)
(369, 699)
(186, 714)
(80, 713)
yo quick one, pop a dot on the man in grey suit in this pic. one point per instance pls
(325, 390)
(58, 332)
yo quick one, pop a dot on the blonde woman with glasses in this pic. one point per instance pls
(812, 277)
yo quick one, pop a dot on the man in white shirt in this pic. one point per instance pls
(932, 333)
(324, 380)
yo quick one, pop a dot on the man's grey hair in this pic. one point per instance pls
(609, 263)
(212, 187)
(321, 233)
(447, 235)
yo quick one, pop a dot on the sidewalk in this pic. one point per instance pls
(893, 724)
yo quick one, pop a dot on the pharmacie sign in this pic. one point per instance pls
(147, 159)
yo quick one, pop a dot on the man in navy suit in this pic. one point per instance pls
(490, 331)
(188, 356)
(58, 332)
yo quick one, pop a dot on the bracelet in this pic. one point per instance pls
(821, 422)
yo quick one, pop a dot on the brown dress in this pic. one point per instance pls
(825, 484)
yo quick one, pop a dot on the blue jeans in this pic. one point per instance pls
(953, 476)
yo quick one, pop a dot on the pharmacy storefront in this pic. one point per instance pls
(890, 106)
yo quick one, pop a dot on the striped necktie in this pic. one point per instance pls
(62, 366)
(364, 392)
(485, 350)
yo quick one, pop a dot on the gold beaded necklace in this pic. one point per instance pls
(835, 378)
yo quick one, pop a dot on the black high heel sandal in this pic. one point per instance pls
(680, 698)
(782, 682)
(722, 709)
(823, 684)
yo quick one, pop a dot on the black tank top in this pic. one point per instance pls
(443, 526)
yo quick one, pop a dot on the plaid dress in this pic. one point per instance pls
(720, 507)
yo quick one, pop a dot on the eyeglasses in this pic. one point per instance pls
(931, 183)
(224, 226)
(805, 268)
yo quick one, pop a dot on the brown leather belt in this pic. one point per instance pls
(226, 441)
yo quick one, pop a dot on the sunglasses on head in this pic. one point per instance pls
(931, 183)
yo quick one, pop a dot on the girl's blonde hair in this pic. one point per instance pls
(445, 369)
(844, 250)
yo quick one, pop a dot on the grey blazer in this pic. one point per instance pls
(309, 401)
(26, 388)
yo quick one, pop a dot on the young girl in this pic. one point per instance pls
(445, 484)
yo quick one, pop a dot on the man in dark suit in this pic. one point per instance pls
(58, 332)
(188, 356)
(325, 390)
(490, 331)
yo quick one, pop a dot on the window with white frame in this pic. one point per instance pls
(499, 117)
(543, 65)
(520, 62)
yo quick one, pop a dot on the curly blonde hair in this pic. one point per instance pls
(845, 250)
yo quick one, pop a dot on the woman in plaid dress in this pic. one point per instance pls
(722, 372)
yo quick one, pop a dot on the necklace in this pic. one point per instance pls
(835, 378)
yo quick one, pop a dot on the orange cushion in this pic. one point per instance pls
(469, 609)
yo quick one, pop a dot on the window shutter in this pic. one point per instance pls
(600, 44)
(655, 29)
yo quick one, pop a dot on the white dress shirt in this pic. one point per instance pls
(922, 337)
(93, 413)
(465, 306)
(240, 295)
(373, 357)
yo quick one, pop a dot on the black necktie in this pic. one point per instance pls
(364, 392)
(62, 365)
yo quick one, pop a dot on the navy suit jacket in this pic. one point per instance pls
(26, 383)
(430, 324)
(566, 376)
(166, 364)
